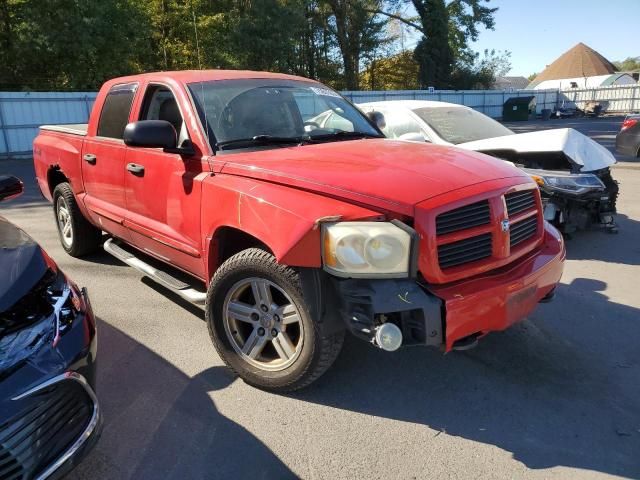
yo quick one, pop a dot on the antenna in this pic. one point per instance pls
(195, 28)
(204, 100)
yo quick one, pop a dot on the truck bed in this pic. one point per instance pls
(72, 128)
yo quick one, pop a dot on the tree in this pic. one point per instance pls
(629, 64)
(358, 31)
(446, 31)
(265, 34)
(475, 72)
(68, 44)
(320, 56)
(395, 72)
(434, 53)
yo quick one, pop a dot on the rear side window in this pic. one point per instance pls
(115, 111)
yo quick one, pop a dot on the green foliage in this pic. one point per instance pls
(443, 52)
(434, 52)
(358, 33)
(475, 72)
(63, 44)
(78, 44)
(629, 64)
(395, 72)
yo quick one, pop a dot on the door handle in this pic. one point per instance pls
(90, 158)
(135, 169)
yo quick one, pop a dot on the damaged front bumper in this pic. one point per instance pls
(570, 211)
(49, 414)
(448, 316)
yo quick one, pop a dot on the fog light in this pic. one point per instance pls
(388, 337)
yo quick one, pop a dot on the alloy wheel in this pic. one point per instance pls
(64, 221)
(263, 324)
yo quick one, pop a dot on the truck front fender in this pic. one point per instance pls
(284, 219)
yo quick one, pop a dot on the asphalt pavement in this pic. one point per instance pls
(556, 396)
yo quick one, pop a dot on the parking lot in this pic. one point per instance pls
(556, 396)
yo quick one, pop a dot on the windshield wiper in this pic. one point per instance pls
(344, 135)
(261, 140)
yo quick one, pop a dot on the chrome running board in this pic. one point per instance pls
(165, 279)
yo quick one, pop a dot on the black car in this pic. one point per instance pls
(49, 415)
(628, 139)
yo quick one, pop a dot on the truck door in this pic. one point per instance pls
(103, 161)
(163, 189)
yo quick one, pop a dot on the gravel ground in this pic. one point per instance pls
(556, 396)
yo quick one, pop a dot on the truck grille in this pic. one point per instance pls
(464, 251)
(523, 231)
(520, 201)
(487, 240)
(462, 218)
(48, 425)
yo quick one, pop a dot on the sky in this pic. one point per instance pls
(536, 32)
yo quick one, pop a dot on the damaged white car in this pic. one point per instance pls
(572, 170)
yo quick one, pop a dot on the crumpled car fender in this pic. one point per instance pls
(285, 219)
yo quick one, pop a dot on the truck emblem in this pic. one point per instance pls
(505, 225)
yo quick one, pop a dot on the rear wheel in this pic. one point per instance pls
(261, 327)
(77, 236)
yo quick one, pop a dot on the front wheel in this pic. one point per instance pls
(77, 236)
(261, 327)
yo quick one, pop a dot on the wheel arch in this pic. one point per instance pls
(226, 241)
(55, 176)
(281, 220)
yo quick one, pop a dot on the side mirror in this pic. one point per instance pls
(150, 134)
(377, 118)
(10, 187)
(413, 137)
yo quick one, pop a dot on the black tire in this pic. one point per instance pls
(84, 237)
(317, 352)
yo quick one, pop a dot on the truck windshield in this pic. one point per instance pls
(461, 125)
(245, 113)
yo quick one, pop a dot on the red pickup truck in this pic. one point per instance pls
(221, 187)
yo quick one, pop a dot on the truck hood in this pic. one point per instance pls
(21, 262)
(388, 174)
(578, 148)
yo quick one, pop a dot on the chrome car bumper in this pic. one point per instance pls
(87, 436)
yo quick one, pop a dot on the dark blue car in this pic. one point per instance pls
(628, 139)
(49, 414)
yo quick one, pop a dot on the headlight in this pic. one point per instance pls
(367, 249)
(570, 183)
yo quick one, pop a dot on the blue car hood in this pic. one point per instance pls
(22, 264)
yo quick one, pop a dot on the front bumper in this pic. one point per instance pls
(49, 414)
(441, 315)
(495, 302)
(570, 212)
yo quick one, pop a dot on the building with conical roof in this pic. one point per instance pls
(580, 67)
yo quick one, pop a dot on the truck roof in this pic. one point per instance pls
(193, 76)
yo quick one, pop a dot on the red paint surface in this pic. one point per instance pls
(177, 209)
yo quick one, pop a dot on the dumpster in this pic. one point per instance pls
(518, 108)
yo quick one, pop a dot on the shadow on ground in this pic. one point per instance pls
(622, 247)
(553, 392)
(560, 389)
(168, 421)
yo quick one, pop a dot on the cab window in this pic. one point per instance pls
(115, 111)
(160, 104)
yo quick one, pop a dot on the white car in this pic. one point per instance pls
(573, 171)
